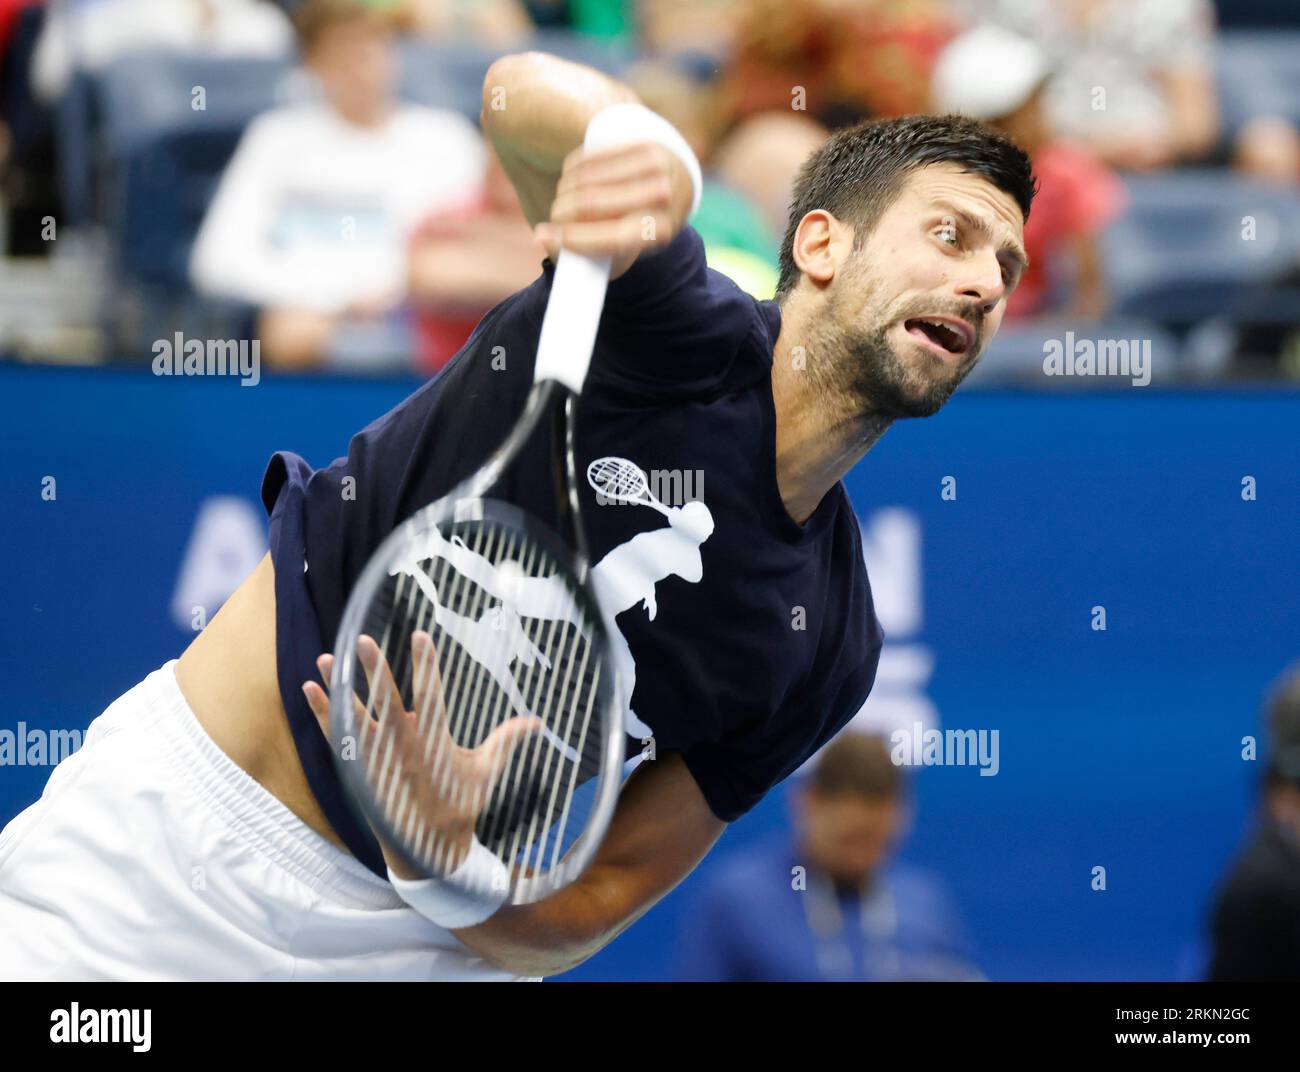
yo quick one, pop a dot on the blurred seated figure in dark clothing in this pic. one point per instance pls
(827, 902)
(1255, 930)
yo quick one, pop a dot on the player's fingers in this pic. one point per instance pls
(325, 664)
(385, 697)
(430, 707)
(319, 702)
(493, 755)
(628, 236)
(619, 163)
(604, 201)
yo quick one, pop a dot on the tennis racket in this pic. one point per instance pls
(472, 690)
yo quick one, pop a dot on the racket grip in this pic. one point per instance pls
(572, 317)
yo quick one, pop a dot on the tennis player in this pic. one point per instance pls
(201, 832)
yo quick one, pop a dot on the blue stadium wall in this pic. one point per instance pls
(1119, 749)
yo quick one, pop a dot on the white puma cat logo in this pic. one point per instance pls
(624, 578)
(628, 574)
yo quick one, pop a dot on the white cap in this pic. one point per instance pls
(987, 73)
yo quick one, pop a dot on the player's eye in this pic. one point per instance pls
(947, 234)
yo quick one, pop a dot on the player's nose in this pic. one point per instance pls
(981, 280)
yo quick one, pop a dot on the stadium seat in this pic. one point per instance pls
(1184, 251)
(148, 93)
(76, 135)
(162, 156)
(105, 116)
(1258, 75)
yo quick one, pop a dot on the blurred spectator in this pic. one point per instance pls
(829, 904)
(313, 219)
(88, 34)
(738, 239)
(838, 60)
(1132, 81)
(1268, 147)
(761, 159)
(493, 22)
(705, 29)
(464, 261)
(701, 29)
(1256, 921)
(802, 67)
(1000, 77)
(10, 11)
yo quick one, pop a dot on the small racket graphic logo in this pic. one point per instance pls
(619, 480)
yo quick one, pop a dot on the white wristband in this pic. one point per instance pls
(468, 896)
(627, 123)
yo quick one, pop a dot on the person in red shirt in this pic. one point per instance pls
(853, 59)
(998, 77)
(463, 261)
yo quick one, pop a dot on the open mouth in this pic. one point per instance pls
(951, 337)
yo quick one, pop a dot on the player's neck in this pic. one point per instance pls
(817, 441)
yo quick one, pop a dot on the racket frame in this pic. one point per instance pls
(468, 502)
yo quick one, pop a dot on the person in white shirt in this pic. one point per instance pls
(313, 220)
(89, 34)
(1134, 83)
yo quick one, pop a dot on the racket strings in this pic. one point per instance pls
(543, 691)
(547, 707)
(540, 665)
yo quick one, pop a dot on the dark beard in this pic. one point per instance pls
(880, 381)
(868, 376)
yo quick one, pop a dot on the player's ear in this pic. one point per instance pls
(814, 246)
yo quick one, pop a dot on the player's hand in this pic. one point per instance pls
(447, 803)
(618, 203)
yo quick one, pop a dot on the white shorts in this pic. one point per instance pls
(152, 855)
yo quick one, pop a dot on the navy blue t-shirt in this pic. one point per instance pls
(750, 639)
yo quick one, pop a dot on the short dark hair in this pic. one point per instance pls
(860, 170)
(859, 764)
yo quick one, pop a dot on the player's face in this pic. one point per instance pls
(926, 292)
(355, 64)
(848, 836)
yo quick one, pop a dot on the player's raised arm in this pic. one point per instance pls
(617, 202)
(536, 108)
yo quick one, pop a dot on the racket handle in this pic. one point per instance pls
(571, 319)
